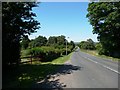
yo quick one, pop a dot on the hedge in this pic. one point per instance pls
(47, 53)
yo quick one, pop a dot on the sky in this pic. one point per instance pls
(64, 18)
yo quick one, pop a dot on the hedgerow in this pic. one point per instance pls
(47, 53)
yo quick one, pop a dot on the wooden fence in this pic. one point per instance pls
(31, 59)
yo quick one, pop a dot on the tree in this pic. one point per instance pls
(89, 44)
(31, 44)
(25, 42)
(57, 41)
(17, 22)
(90, 41)
(105, 19)
(52, 40)
(72, 44)
(40, 41)
(98, 46)
(61, 40)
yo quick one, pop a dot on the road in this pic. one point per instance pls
(94, 73)
(84, 71)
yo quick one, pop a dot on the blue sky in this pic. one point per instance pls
(64, 18)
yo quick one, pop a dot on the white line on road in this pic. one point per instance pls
(103, 65)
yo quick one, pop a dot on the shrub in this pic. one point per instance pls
(47, 53)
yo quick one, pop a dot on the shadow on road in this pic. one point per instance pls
(27, 76)
(55, 83)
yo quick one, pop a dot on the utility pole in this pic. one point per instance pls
(66, 45)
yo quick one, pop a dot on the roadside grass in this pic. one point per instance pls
(27, 74)
(23, 53)
(61, 60)
(95, 53)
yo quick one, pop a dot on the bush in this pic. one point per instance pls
(98, 46)
(47, 53)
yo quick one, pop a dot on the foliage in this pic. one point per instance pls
(25, 42)
(52, 40)
(56, 40)
(37, 42)
(89, 44)
(46, 53)
(98, 46)
(40, 41)
(72, 44)
(17, 22)
(61, 40)
(27, 75)
(105, 19)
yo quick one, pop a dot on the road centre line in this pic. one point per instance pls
(103, 65)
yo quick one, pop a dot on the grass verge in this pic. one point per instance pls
(28, 74)
(95, 53)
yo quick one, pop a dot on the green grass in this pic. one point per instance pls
(95, 53)
(24, 53)
(61, 60)
(28, 74)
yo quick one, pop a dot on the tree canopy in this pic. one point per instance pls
(89, 44)
(39, 41)
(52, 40)
(105, 19)
(25, 42)
(17, 22)
(56, 40)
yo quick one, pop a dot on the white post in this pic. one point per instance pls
(66, 45)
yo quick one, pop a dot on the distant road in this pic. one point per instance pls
(94, 73)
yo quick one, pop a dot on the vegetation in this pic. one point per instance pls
(37, 42)
(105, 19)
(96, 53)
(89, 44)
(25, 42)
(85, 46)
(28, 74)
(49, 51)
(16, 23)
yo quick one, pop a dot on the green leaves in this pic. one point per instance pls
(105, 19)
(17, 22)
(39, 41)
(89, 44)
(25, 42)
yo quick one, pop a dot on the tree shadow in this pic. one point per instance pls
(27, 76)
(62, 70)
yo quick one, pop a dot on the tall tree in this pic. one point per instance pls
(40, 41)
(52, 40)
(105, 19)
(90, 41)
(72, 44)
(61, 40)
(89, 44)
(17, 22)
(25, 42)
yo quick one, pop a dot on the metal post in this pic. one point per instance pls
(66, 47)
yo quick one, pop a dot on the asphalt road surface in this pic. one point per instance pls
(95, 72)
(84, 71)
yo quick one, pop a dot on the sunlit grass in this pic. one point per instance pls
(61, 60)
(95, 53)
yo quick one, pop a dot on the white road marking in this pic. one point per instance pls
(103, 65)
